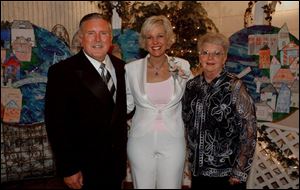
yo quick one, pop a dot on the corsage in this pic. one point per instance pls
(176, 69)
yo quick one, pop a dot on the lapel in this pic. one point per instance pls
(120, 106)
(142, 72)
(91, 78)
(177, 92)
(120, 75)
(142, 78)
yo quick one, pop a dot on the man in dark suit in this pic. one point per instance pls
(85, 118)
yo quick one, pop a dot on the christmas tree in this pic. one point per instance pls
(189, 20)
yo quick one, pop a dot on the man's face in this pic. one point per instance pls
(96, 38)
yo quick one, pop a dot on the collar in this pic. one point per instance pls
(96, 64)
(215, 80)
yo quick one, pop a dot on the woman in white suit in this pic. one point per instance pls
(155, 85)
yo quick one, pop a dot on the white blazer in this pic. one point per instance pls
(146, 112)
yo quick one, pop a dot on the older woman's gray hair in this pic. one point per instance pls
(154, 21)
(213, 38)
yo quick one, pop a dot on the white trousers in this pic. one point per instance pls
(156, 160)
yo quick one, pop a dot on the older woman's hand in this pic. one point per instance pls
(234, 181)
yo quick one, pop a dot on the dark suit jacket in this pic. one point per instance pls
(86, 129)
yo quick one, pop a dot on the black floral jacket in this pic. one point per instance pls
(220, 124)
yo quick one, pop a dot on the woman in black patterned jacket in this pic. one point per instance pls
(220, 121)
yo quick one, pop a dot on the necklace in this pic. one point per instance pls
(156, 69)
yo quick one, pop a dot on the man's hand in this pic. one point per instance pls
(75, 181)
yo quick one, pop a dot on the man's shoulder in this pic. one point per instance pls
(64, 65)
(194, 81)
(115, 59)
(60, 65)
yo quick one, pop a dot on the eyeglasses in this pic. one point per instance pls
(215, 54)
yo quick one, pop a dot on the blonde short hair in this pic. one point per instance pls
(214, 38)
(157, 20)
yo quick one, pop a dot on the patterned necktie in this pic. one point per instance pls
(107, 79)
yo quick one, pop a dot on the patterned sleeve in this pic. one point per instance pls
(184, 104)
(186, 108)
(246, 111)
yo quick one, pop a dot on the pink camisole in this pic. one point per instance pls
(160, 94)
